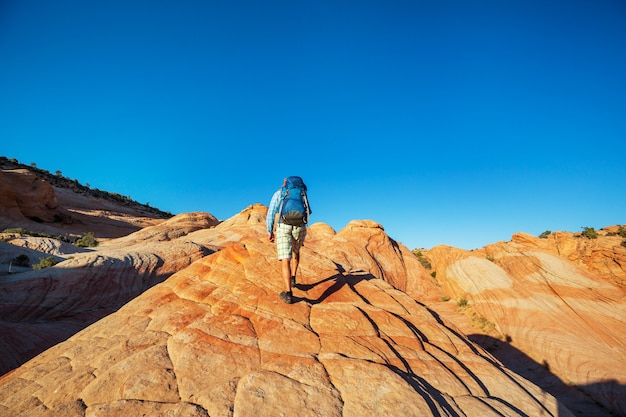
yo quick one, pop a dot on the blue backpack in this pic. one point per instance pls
(294, 207)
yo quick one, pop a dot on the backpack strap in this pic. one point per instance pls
(305, 200)
(283, 196)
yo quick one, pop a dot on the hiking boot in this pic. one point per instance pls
(293, 281)
(286, 297)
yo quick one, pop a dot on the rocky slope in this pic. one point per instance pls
(530, 327)
(214, 339)
(37, 201)
(39, 308)
(560, 300)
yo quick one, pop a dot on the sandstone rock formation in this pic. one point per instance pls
(39, 308)
(371, 333)
(24, 196)
(28, 199)
(559, 300)
(35, 312)
(214, 339)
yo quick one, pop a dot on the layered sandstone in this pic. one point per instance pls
(25, 196)
(30, 199)
(558, 300)
(39, 308)
(371, 333)
(214, 339)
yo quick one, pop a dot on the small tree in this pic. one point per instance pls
(545, 234)
(589, 233)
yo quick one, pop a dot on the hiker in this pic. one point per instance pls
(292, 206)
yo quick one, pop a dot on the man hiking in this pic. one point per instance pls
(292, 206)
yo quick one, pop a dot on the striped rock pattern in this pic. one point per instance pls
(214, 339)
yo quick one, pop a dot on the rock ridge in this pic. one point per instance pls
(214, 339)
(371, 331)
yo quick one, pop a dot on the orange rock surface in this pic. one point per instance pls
(559, 300)
(214, 339)
(181, 316)
(28, 200)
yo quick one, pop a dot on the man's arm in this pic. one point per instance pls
(271, 213)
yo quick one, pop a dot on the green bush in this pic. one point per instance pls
(589, 233)
(45, 263)
(87, 241)
(422, 259)
(484, 324)
(462, 302)
(545, 234)
(622, 231)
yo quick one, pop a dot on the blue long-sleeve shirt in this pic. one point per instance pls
(272, 210)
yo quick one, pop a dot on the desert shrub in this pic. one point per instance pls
(623, 243)
(621, 231)
(15, 230)
(462, 302)
(545, 234)
(420, 257)
(21, 260)
(484, 324)
(589, 233)
(22, 231)
(88, 240)
(45, 263)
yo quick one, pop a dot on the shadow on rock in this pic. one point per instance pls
(339, 280)
(602, 399)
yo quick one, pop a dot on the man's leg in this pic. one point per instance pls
(299, 233)
(286, 273)
(285, 250)
(295, 261)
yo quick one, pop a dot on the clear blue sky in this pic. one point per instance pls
(449, 122)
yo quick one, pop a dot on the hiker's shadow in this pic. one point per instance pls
(340, 279)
